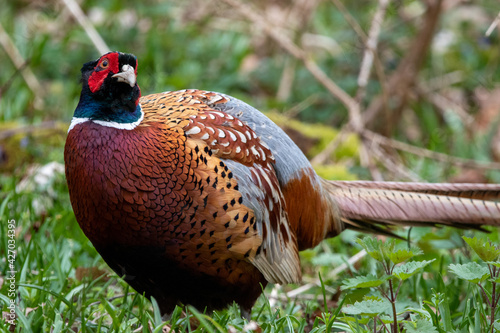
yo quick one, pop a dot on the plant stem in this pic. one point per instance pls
(490, 304)
(397, 291)
(393, 302)
(493, 306)
(494, 296)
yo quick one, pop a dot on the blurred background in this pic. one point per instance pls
(432, 82)
(394, 90)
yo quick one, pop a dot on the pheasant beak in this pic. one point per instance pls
(127, 75)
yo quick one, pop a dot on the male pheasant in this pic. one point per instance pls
(195, 197)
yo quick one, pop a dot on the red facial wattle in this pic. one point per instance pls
(99, 75)
(137, 66)
(137, 100)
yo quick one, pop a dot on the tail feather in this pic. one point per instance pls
(462, 190)
(375, 206)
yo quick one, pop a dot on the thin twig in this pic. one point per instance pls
(370, 49)
(285, 42)
(394, 167)
(85, 23)
(286, 81)
(331, 275)
(364, 74)
(401, 81)
(273, 297)
(297, 16)
(8, 83)
(19, 62)
(457, 161)
(444, 81)
(379, 67)
(347, 265)
(366, 161)
(350, 19)
(355, 123)
(294, 293)
(399, 287)
(308, 297)
(298, 108)
(443, 104)
(493, 25)
(323, 156)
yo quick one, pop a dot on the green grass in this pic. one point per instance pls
(51, 292)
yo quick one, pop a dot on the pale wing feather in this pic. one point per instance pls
(278, 259)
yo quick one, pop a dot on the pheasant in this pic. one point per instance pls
(195, 197)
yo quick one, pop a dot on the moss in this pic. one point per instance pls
(335, 172)
(322, 133)
(40, 145)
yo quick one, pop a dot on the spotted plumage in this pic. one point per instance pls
(195, 197)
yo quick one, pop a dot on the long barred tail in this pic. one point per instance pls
(372, 206)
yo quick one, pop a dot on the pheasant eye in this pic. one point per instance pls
(104, 64)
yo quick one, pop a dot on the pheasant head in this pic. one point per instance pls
(110, 94)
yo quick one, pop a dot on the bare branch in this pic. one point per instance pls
(286, 81)
(85, 23)
(405, 75)
(457, 161)
(324, 155)
(333, 274)
(352, 260)
(493, 25)
(350, 19)
(19, 62)
(8, 83)
(285, 42)
(365, 157)
(298, 108)
(379, 68)
(444, 81)
(371, 47)
(444, 104)
(395, 167)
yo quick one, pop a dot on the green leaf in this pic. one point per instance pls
(471, 271)
(367, 281)
(408, 269)
(419, 326)
(496, 325)
(385, 251)
(386, 319)
(494, 263)
(362, 320)
(402, 255)
(483, 248)
(329, 259)
(369, 307)
(376, 248)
